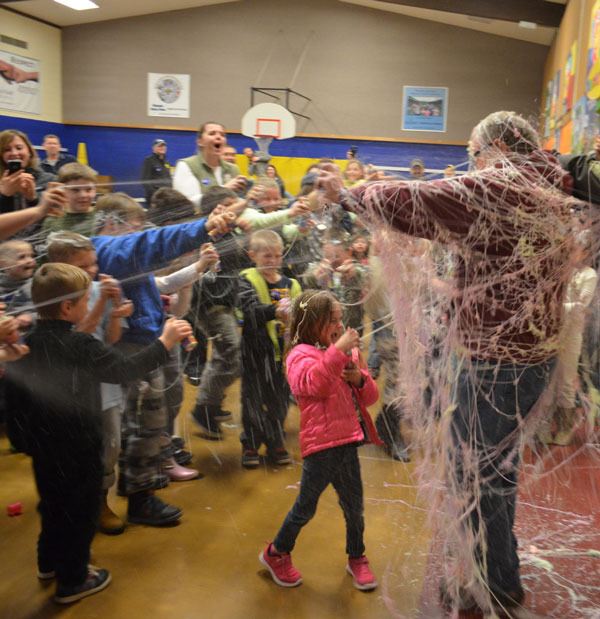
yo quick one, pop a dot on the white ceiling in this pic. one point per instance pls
(60, 15)
(117, 9)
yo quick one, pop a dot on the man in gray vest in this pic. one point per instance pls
(195, 174)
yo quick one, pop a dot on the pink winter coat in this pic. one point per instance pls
(328, 416)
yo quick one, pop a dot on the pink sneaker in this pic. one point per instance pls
(280, 566)
(360, 571)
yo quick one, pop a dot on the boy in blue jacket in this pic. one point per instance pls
(132, 258)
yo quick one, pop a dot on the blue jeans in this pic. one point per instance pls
(340, 467)
(492, 402)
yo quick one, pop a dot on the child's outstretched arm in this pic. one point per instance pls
(168, 284)
(110, 366)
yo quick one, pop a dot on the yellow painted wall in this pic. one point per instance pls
(292, 169)
(45, 45)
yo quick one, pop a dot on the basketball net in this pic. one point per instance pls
(263, 143)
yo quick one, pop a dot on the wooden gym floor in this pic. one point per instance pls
(207, 566)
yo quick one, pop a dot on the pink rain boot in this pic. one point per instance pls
(176, 472)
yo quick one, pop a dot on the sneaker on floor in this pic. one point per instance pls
(360, 571)
(209, 427)
(280, 456)
(193, 379)
(46, 574)
(280, 566)
(150, 510)
(182, 457)
(97, 579)
(177, 442)
(250, 458)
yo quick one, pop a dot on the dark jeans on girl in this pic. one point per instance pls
(340, 467)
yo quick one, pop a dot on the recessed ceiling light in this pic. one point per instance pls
(78, 5)
(528, 24)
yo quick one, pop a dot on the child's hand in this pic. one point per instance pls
(9, 329)
(330, 183)
(124, 310)
(352, 374)
(256, 193)
(109, 288)
(220, 223)
(208, 258)
(282, 311)
(13, 352)
(244, 225)
(54, 201)
(24, 321)
(299, 208)
(348, 340)
(174, 331)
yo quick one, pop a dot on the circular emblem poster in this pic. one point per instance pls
(169, 95)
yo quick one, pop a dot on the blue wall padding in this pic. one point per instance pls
(119, 151)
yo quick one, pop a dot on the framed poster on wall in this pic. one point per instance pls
(20, 83)
(169, 95)
(424, 108)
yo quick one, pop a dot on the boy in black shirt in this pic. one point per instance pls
(54, 397)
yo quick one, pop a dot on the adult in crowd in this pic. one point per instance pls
(54, 159)
(195, 174)
(271, 172)
(511, 224)
(229, 154)
(417, 169)
(156, 171)
(22, 181)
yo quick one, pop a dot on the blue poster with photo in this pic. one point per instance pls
(424, 108)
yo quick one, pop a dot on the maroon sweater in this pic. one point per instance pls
(510, 224)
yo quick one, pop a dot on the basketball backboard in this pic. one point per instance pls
(269, 120)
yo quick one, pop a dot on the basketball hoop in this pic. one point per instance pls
(268, 121)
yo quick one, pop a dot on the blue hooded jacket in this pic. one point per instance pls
(133, 258)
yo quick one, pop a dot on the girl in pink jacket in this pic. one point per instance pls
(333, 390)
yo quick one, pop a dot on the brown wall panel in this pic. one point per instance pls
(357, 62)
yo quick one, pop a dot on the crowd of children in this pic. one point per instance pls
(93, 335)
(113, 282)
